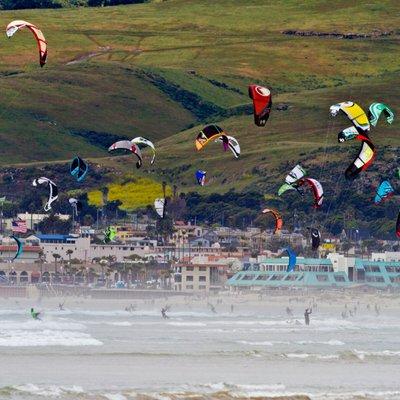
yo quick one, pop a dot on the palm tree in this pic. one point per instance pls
(69, 253)
(56, 258)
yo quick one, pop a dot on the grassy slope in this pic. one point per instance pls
(233, 42)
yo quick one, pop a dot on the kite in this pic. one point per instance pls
(78, 169)
(278, 219)
(159, 205)
(109, 234)
(201, 177)
(291, 179)
(53, 190)
(14, 26)
(355, 114)
(292, 259)
(315, 238)
(383, 192)
(231, 143)
(375, 111)
(262, 103)
(210, 132)
(19, 247)
(128, 146)
(76, 205)
(398, 225)
(363, 160)
(349, 133)
(143, 142)
(316, 188)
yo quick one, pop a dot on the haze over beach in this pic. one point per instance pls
(199, 200)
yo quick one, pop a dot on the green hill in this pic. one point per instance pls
(163, 69)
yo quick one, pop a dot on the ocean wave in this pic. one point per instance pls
(214, 391)
(331, 342)
(24, 338)
(38, 325)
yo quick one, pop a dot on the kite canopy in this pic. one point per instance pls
(292, 179)
(210, 132)
(143, 142)
(349, 133)
(363, 160)
(284, 188)
(128, 146)
(278, 218)
(355, 114)
(398, 225)
(295, 174)
(19, 248)
(201, 177)
(316, 188)
(262, 103)
(76, 205)
(159, 205)
(231, 143)
(292, 259)
(78, 169)
(109, 234)
(383, 192)
(315, 238)
(53, 190)
(14, 26)
(375, 111)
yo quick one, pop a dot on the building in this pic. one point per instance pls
(81, 248)
(335, 271)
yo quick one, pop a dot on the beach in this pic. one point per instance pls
(220, 347)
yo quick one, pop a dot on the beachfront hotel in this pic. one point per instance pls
(381, 271)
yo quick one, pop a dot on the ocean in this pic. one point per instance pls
(97, 350)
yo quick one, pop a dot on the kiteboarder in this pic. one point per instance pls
(307, 313)
(35, 314)
(164, 312)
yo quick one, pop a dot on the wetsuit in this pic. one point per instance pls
(35, 314)
(307, 313)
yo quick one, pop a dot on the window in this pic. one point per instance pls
(189, 278)
(374, 279)
(248, 278)
(202, 278)
(189, 268)
(190, 287)
(339, 278)
(262, 277)
(322, 278)
(372, 268)
(202, 269)
(291, 277)
(276, 277)
(202, 287)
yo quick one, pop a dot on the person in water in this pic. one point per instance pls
(307, 313)
(35, 314)
(61, 306)
(289, 312)
(164, 312)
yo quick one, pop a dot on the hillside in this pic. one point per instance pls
(163, 69)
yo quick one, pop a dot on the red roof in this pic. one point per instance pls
(32, 249)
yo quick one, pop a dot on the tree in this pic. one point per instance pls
(56, 258)
(88, 220)
(54, 224)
